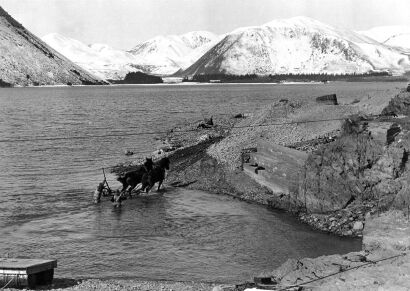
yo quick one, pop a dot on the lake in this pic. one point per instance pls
(54, 142)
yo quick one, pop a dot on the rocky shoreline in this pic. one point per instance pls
(365, 150)
(209, 159)
(360, 164)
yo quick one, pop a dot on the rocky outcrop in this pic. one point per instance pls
(383, 264)
(400, 104)
(28, 61)
(358, 167)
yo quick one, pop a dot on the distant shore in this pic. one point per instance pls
(262, 81)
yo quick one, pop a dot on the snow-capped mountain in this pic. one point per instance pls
(297, 45)
(294, 45)
(397, 36)
(26, 60)
(99, 59)
(162, 55)
(165, 55)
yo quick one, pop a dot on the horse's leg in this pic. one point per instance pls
(144, 185)
(159, 184)
(124, 187)
(150, 184)
(148, 188)
(132, 188)
(139, 189)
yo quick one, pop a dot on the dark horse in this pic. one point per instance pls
(157, 174)
(134, 177)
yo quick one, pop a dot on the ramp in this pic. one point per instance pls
(282, 167)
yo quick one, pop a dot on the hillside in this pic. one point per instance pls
(26, 60)
(297, 45)
(100, 59)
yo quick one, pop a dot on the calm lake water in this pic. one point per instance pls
(47, 181)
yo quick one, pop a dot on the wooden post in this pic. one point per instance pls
(305, 186)
(378, 202)
(242, 160)
(105, 180)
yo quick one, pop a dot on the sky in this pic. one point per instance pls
(125, 23)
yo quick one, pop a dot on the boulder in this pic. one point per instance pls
(327, 99)
(392, 132)
(204, 137)
(358, 226)
(207, 123)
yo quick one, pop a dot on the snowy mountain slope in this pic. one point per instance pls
(26, 60)
(398, 36)
(297, 45)
(168, 54)
(160, 55)
(99, 59)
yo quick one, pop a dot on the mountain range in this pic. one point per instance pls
(294, 45)
(26, 60)
(298, 45)
(101, 60)
(162, 55)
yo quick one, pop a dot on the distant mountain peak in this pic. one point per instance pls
(393, 35)
(167, 54)
(297, 20)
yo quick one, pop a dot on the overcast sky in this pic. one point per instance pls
(124, 23)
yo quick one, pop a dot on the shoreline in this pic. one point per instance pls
(211, 84)
(196, 166)
(357, 220)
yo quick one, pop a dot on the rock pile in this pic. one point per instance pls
(345, 222)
